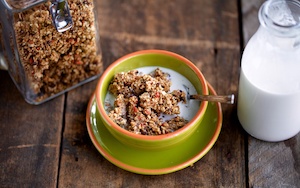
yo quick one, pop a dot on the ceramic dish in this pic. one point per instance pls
(155, 162)
(152, 58)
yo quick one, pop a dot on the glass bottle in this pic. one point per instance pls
(269, 88)
(49, 47)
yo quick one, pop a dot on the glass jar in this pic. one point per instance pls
(49, 47)
(269, 88)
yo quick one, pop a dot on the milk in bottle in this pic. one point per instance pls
(269, 88)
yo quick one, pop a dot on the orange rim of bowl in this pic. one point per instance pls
(198, 115)
(161, 170)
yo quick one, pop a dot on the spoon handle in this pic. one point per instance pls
(215, 98)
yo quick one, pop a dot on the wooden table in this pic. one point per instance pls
(48, 145)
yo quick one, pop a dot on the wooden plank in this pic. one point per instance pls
(79, 156)
(207, 33)
(30, 139)
(270, 164)
(274, 164)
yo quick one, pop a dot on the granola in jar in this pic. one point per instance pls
(55, 61)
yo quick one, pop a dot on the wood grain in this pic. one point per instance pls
(30, 139)
(274, 164)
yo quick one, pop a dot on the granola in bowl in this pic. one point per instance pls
(181, 71)
(145, 103)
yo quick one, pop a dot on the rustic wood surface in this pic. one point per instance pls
(48, 145)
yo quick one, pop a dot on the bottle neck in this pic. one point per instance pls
(280, 24)
(281, 17)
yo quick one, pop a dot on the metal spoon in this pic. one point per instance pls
(229, 99)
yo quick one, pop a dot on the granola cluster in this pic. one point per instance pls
(143, 99)
(55, 61)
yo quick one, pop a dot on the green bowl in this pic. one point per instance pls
(159, 58)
